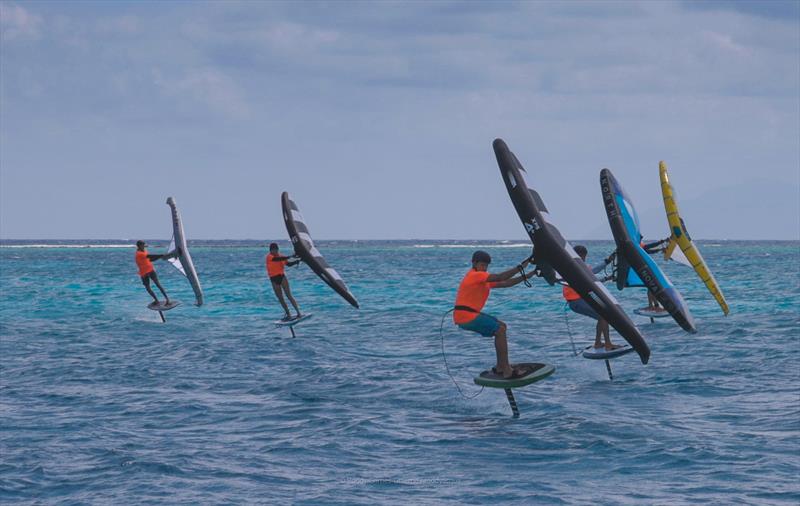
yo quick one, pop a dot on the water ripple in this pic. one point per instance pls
(102, 403)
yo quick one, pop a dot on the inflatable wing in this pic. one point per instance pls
(552, 253)
(686, 251)
(634, 266)
(305, 249)
(183, 262)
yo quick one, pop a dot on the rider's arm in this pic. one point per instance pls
(602, 265)
(515, 280)
(173, 254)
(505, 275)
(653, 247)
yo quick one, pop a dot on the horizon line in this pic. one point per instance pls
(362, 239)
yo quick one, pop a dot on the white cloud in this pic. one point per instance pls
(126, 24)
(18, 23)
(297, 37)
(206, 86)
(362, 92)
(726, 43)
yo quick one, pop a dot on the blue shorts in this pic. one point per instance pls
(484, 324)
(580, 306)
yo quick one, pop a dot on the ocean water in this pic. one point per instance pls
(100, 402)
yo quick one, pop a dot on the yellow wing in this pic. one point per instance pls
(680, 237)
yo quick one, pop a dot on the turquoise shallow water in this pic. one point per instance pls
(101, 403)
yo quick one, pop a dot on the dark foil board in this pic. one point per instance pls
(160, 306)
(553, 254)
(534, 373)
(630, 253)
(650, 313)
(293, 322)
(593, 353)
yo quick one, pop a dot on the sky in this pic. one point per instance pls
(378, 117)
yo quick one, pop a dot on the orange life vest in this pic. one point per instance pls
(472, 293)
(569, 293)
(274, 268)
(144, 263)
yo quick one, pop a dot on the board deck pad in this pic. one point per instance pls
(160, 306)
(293, 321)
(650, 313)
(533, 373)
(593, 353)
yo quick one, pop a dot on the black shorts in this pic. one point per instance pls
(150, 275)
(277, 280)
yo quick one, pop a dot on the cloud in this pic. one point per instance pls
(315, 96)
(127, 24)
(206, 86)
(784, 10)
(294, 37)
(17, 23)
(726, 43)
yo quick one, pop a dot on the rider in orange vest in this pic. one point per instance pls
(580, 306)
(277, 276)
(472, 295)
(148, 272)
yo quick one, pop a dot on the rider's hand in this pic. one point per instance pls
(526, 261)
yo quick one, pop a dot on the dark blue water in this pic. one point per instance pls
(101, 402)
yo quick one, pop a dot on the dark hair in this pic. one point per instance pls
(481, 256)
(139, 243)
(581, 250)
(273, 245)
